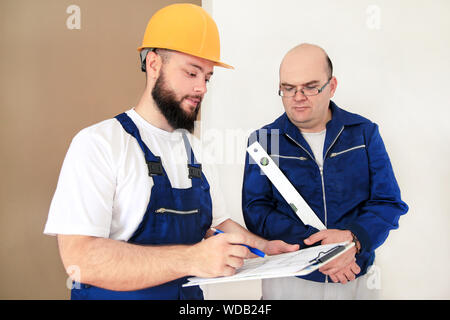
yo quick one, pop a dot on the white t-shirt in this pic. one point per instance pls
(104, 187)
(316, 140)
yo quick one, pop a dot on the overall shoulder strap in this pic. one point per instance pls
(195, 168)
(153, 162)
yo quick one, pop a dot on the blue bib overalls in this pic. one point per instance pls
(173, 216)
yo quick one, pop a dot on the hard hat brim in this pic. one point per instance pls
(216, 62)
(223, 65)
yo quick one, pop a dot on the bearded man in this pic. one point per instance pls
(133, 204)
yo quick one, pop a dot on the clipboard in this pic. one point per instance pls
(297, 263)
(324, 257)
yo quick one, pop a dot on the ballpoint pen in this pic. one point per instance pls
(253, 250)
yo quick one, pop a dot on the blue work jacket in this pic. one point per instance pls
(355, 190)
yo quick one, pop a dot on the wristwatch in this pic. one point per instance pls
(355, 240)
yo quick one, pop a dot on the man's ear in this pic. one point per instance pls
(333, 86)
(153, 64)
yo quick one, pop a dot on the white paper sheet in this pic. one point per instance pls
(282, 265)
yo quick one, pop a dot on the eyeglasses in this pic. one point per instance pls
(289, 92)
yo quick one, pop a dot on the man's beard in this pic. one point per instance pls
(171, 108)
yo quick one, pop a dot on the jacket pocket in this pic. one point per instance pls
(334, 154)
(165, 210)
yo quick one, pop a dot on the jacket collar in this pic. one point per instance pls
(339, 119)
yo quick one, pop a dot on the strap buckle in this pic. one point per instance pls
(155, 168)
(195, 172)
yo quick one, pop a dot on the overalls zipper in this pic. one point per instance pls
(164, 210)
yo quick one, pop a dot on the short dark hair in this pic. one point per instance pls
(163, 53)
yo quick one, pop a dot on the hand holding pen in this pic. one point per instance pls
(219, 255)
(223, 254)
(252, 250)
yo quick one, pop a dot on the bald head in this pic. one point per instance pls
(307, 67)
(307, 55)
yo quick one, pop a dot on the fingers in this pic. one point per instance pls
(329, 236)
(334, 278)
(291, 247)
(337, 264)
(343, 277)
(339, 277)
(237, 238)
(220, 255)
(318, 236)
(349, 275)
(234, 262)
(346, 274)
(238, 251)
(228, 271)
(355, 268)
(274, 247)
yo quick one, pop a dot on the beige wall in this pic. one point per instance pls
(55, 81)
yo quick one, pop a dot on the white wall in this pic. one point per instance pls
(392, 63)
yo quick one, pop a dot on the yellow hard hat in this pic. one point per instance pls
(186, 28)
